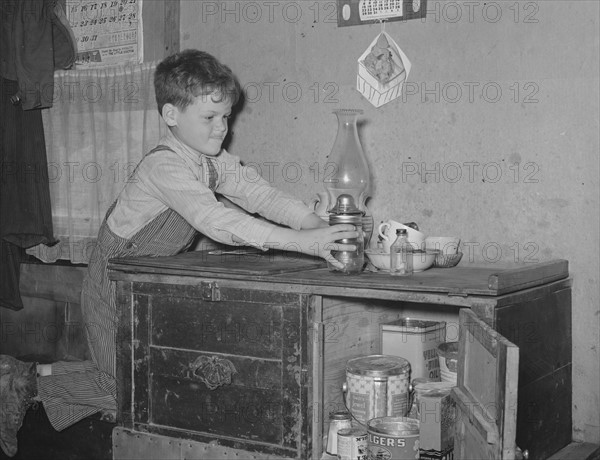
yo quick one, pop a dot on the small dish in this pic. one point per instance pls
(447, 260)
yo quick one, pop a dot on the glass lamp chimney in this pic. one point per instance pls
(350, 176)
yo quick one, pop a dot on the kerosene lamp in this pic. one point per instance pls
(348, 187)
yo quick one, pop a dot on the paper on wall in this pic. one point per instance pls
(108, 32)
(382, 70)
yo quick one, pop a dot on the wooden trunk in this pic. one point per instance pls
(232, 367)
(248, 353)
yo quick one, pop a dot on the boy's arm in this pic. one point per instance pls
(313, 221)
(244, 186)
(167, 180)
(172, 183)
(317, 242)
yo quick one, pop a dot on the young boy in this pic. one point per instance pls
(170, 198)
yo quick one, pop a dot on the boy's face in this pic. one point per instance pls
(201, 125)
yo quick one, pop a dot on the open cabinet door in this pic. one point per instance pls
(486, 392)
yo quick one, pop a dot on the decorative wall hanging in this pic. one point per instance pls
(382, 70)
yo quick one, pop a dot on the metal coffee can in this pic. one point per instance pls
(340, 420)
(352, 444)
(393, 438)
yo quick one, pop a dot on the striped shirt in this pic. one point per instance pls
(180, 180)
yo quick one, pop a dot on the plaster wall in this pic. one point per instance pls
(494, 140)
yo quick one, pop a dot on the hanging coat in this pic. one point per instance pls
(35, 39)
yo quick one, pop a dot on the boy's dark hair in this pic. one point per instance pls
(183, 76)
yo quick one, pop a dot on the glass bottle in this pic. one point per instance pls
(347, 171)
(401, 254)
(346, 212)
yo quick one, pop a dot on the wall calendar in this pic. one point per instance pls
(356, 12)
(108, 32)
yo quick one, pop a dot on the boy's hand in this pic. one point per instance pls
(313, 221)
(317, 242)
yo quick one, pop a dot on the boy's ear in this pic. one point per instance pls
(169, 114)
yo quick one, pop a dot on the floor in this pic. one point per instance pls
(89, 439)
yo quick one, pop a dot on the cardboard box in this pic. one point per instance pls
(437, 414)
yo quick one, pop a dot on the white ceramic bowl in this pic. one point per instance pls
(421, 260)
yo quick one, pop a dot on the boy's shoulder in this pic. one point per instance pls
(160, 148)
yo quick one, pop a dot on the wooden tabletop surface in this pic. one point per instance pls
(292, 268)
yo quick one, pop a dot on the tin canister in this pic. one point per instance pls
(352, 444)
(415, 340)
(437, 422)
(377, 386)
(393, 438)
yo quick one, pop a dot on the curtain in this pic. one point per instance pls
(101, 123)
